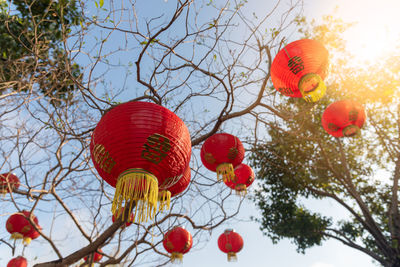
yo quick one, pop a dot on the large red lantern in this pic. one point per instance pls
(298, 70)
(18, 262)
(343, 118)
(20, 228)
(244, 177)
(177, 241)
(96, 256)
(165, 194)
(136, 147)
(231, 243)
(8, 181)
(222, 152)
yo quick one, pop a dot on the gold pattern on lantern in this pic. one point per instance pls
(233, 152)
(209, 158)
(26, 229)
(156, 148)
(353, 114)
(169, 245)
(9, 227)
(103, 158)
(332, 126)
(295, 64)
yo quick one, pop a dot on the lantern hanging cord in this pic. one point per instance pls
(287, 53)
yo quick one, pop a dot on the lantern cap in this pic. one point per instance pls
(312, 87)
(228, 230)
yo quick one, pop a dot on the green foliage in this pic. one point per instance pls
(31, 47)
(282, 216)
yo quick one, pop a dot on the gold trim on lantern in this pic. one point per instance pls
(176, 257)
(26, 240)
(232, 256)
(136, 187)
(164, 199)
(16, 236)
(225, 172)
(312, 87)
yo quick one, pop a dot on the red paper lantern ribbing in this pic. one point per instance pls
(96, 257)
(222, 152)
(177, 241)
(20, 228)
(343, 118)
(244, 177)
(298, 70)
(165, 194)
(8, 181)
(18, 262)
(231, 243)
(136, 147)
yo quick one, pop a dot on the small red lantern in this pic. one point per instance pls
(222, 152)
(8, 181)
(177, 241)
(128, 222)
(231, 243)
(165, 195)
(137, 146)
(96, 256)
(244, 177)
(298, 70)
(20, 228)
(343, 118)
(18, 262)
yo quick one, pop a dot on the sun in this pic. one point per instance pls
(376, 31)
(369, 42)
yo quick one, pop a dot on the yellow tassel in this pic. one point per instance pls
(164, 199)
(136, 186)
(16, 236)
(27, 240)
(232, 256)
(312, 87)
(225, 172)
(176, 257)
(241, 190)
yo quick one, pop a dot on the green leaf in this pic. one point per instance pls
(96, 4)
(101, 3)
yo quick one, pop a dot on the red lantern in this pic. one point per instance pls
(8, 181)
(135, 147)
(231, 243)
(96, 256)
(128, 222)
(343, 118)
(222, 152)
(298, 70)
(18, 262)
(177, 241)
(244, 177)
(20, 228)
(164, 196)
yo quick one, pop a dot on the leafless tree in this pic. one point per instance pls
(207, 61)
